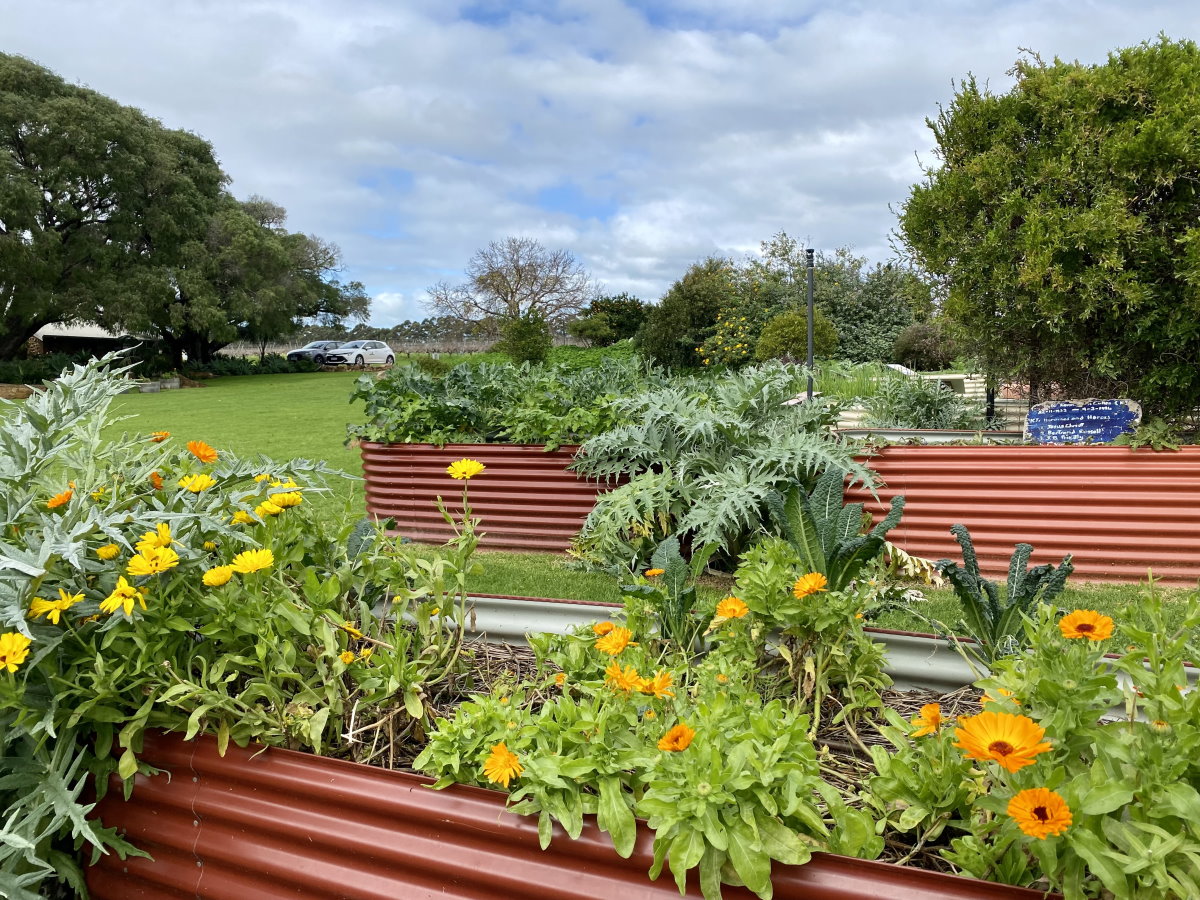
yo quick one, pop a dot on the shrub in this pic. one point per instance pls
(907, 402)
(786, 337)
(525, 339)
(924, 346)
(688, 311)
(608, 320)
(271, 364)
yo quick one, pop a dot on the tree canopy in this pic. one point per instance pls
(1065, 219)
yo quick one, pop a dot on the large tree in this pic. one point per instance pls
(1064, 216)
(513, 278)
(96, 199)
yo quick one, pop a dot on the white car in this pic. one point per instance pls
(361, 353)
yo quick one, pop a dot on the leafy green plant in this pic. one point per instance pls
(908, 402)
(786, 337)
(996, 623)
(667, 601)
(525, 338)
(1156, 434)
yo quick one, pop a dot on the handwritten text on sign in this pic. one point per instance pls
(1081, 421)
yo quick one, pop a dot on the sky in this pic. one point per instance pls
(640, 136)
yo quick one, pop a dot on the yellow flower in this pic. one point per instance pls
(1013, 741)
(202, 451)
(654, 573)
(262, 477)
(929, 721)
(465, 469)
(267, 508)
(560, 679)
(53, 609)
(99, 493)
(197, 483)
(159, 436)
(349, 628)
(347, 657)
(210, 545)
(252, 560)
(678, 738)
(1086, 623)
(732, 608)
(603, 628)
(722, 678)
(502, 766)
(287, 500)
(623, 679)
(649, 714)
(1040, 812)
(812, 583)
(108, 551)
(658, 685)
(159, 537)
(218, 575)
(152, 561)
(615, 641)
(61, 499)
(14, 647)
(124, 595)
(365, 655)
(241, 517)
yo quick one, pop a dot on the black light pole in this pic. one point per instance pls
(809, 254)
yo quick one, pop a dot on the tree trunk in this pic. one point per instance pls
(14, 333)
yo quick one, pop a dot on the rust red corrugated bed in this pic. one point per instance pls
(280, 824)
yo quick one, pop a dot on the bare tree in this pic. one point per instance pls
(512, 278)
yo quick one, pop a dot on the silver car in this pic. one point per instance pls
(314, 350)
(361, 353)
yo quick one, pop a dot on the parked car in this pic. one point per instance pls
(360, 353)
(317, 351)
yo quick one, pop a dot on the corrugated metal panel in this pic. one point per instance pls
(1119, 512)
(525, 500)
(278, 824)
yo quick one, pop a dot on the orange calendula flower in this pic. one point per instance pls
(14, 647)
(732, 608)
(153, 561)
(1086, 623)
(560, 679)
(61, 499)
(108, 551)
(197, 483)
(202, 451)
(156, 481)
(623, 679)
(602, 628)
(159, 436)
(53, 609)
(1013, 741)
(465, 470)
(812, 583)
(654, 573)
(929, 721)
(347, 657)
(502, 766)
(615, 641)
(124, 596)
(1040, 812)
(678, 738)
(658, 685)
(218, 575)
(159, 537)
(253, 560)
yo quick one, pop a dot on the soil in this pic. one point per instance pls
(15, 391)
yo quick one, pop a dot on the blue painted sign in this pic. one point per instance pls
(1081, 421)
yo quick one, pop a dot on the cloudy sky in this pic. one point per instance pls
(641, 136)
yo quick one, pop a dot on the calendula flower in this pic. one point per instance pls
(124, 595)
(108, 551)
(156, 481)
(98, 493)
(560, 679)
(722, 678)
(678, 738)
(159, 436)
(649, 714)
(197, 483)
(654, 573)
(603, 628)
(929, 721)
(502, 766)
(202, 451)
(241, 517)
(153, 561)
(812, 583)
(732, 608)
(159, 537)
(1160, 726)
(623, 679)
(1013, 741)
(347, 657)
(253, 560)
(658, 685)
(14, 647)
(53, 609)
(1040, 812)
(1086, 623)
(615, 641)
(61, 499)
(267, 508)
(218, 575)
(465, 469)
(287, 500)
